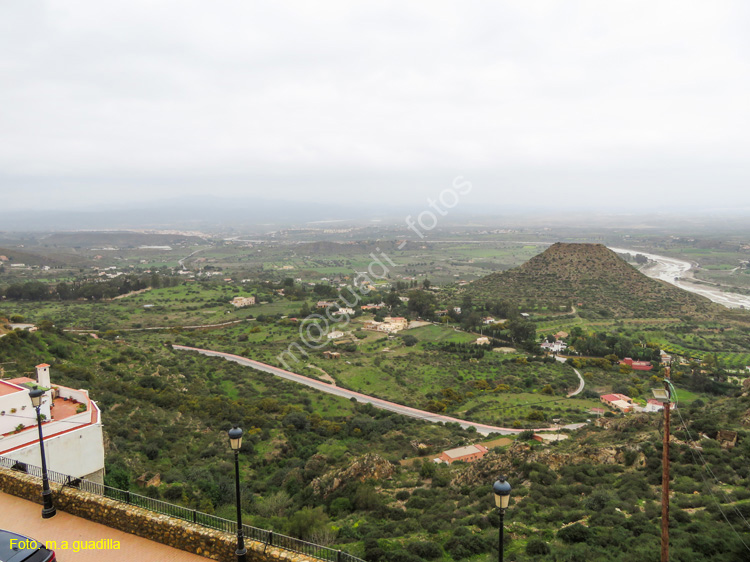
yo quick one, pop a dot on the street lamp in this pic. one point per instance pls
(48, 510)
(665, 397)
(502, 497)
(235, 442)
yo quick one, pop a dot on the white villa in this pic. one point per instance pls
(555, 347)
(72, 426)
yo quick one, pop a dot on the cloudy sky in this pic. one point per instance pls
(617, 103)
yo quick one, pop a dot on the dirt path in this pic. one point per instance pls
(323, 375)
(131, 293)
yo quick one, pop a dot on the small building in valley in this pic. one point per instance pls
(470, 453)
(240, 302)
(637, 365)
(653, 405)
(618, 401)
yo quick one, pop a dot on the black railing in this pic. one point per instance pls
(269, 538)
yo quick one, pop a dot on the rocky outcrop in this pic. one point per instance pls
(507, 462)
(366, 467)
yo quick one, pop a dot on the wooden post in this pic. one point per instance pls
(665, 478)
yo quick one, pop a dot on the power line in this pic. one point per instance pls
(708, 486)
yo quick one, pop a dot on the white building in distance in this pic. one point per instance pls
(239, 302)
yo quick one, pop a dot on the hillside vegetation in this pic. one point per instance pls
(593, 279)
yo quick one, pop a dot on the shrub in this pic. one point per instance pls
(426, 550)
(537, 547)
(573, 534)
(340, 506)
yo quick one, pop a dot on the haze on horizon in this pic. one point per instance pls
(618, 105)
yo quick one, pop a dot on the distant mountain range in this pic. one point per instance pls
(192, 213)
(593, 279)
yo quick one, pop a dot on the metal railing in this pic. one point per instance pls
(269, 538)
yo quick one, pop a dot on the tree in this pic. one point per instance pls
(307, 522)
(522, 333)
(409, 340)
(421, 302)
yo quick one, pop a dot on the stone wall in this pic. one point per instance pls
(212, 544)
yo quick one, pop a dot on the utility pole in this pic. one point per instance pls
(665, 475)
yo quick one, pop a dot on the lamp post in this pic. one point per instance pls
(501, 488)
(235, 442)
(48, 510)
(665, 397)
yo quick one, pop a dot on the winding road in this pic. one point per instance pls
(484, 429)
(679, 273)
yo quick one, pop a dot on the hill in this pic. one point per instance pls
(24, 256)
(593, 279)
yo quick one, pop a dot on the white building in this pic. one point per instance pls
(72, 427)
(239, 302)
(654, 405)
(555, 347)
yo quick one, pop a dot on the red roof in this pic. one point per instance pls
(20, 380)
(637, 365)
(613, 397)
(42, 365)
(6, 388)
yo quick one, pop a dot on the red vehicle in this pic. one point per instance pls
(19, 548)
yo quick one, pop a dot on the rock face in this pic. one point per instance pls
(366, 467)
(494, 464)
(639, 421)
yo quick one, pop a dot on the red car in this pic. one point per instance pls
(18, 548)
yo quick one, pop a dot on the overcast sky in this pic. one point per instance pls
(615, 103)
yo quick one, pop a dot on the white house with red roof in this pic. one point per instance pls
(619, 401)
(653, 405)
(469, 453)
(72, 426)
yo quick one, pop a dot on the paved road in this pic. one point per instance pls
(25, 517)
(581, 383)
(377, 402)
(580, 386)
(679, 273)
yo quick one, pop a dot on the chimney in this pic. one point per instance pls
(42, 375)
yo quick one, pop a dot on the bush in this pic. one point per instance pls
(573, 534)
(537, 547)
(340, 506)
(426, 550)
